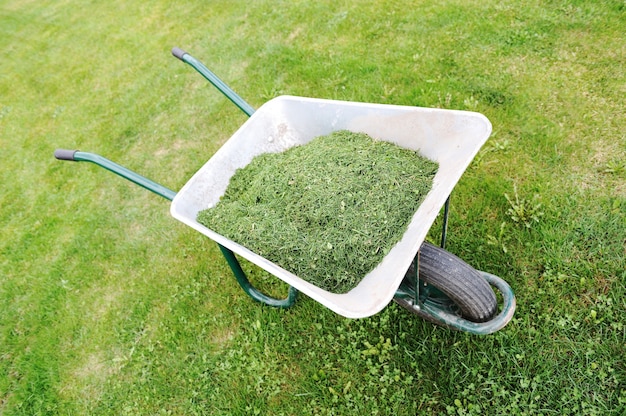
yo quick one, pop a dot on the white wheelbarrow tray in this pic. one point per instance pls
(450, 137)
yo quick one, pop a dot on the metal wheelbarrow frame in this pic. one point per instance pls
(287, 121)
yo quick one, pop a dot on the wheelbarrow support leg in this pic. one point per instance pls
(247, 287)
(77, 156)
(228, 254)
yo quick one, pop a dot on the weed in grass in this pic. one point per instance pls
(523, 211)
(614, 167)
(499, 241)
(500, 145)
(494, 146)
(470, 103)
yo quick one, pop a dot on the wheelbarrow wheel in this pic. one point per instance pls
(447, 282)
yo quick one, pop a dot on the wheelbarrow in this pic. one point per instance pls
(423, 278)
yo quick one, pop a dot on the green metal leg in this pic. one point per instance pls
(247, 287)
(77, 156)
(228, 254)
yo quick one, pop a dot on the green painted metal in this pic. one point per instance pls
(484, 328)
(125, 173)
(218, 83)
(240, 275)
(435, 306)
(255, 294)
(166, 193)
(427, 302)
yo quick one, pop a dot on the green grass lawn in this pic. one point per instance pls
(110, 306)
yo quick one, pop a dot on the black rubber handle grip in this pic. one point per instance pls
(64, 154)
(177, 52)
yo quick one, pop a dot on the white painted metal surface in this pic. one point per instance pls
(450, 137)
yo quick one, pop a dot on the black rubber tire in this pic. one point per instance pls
(459, 281)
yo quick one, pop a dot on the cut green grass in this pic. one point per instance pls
(111, 307)
(328, 210)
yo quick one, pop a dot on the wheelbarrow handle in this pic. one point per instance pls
(240, 276)
(78, 156)
(64, 154)
(179, 53)
(213, 79)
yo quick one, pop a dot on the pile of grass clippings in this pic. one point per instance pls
(329, 210)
